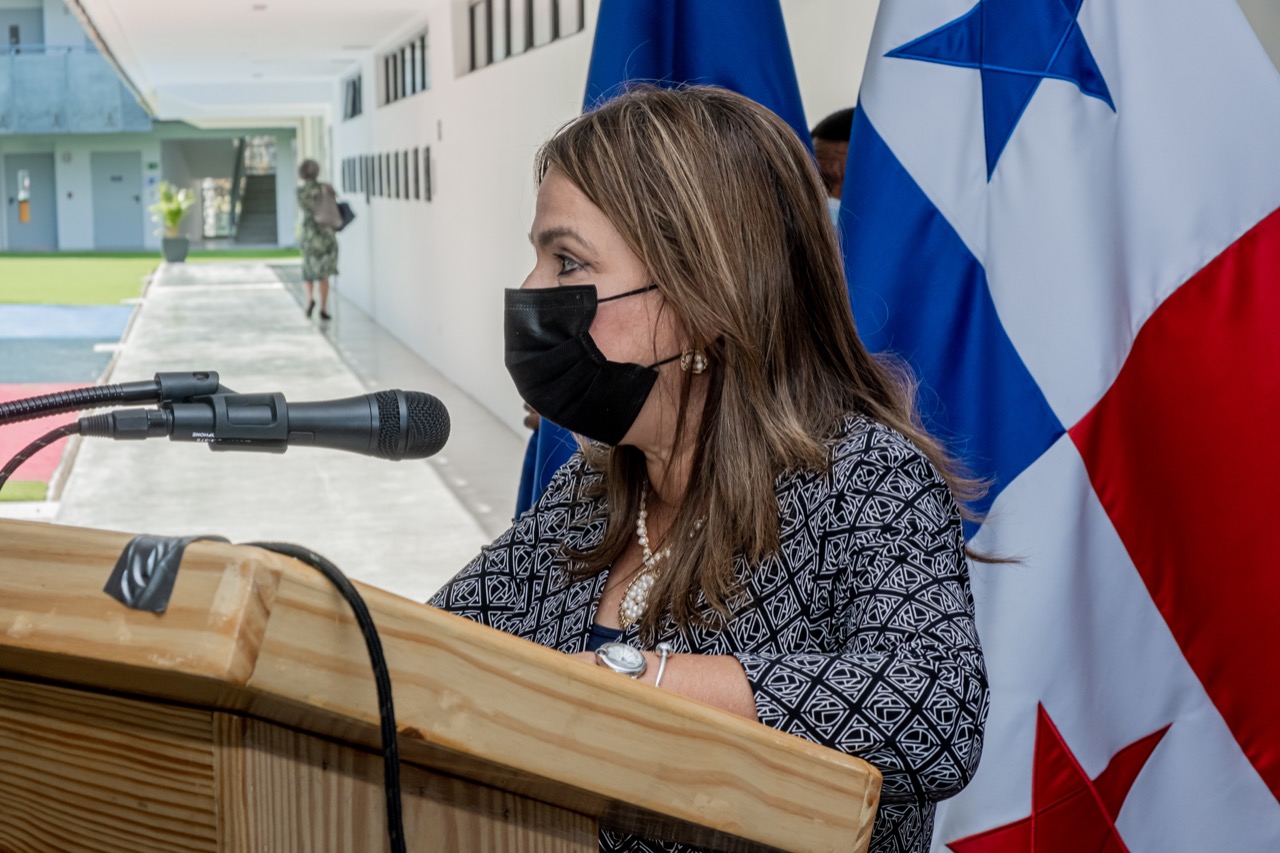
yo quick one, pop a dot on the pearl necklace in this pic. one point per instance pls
(635, 601)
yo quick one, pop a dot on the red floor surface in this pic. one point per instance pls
(14, 437)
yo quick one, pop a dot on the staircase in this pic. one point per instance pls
(257, 223)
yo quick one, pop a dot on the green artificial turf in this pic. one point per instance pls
(203, 255)
(96, 278)
(24, 490)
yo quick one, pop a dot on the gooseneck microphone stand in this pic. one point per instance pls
(173, 388)
(164, 388)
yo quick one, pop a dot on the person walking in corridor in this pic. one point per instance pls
(319, 241)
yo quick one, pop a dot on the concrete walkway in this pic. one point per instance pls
(404, 526)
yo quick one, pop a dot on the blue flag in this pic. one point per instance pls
(742, 47)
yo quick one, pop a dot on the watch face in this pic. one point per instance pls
(622, 658)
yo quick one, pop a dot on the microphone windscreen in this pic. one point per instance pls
(411, 425)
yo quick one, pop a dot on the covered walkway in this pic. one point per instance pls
(406, 527)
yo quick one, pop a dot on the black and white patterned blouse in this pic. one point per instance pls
(860, 635)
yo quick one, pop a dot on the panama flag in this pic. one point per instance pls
(1063, 214)
(742, 47)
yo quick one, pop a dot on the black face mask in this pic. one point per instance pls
(559, 370)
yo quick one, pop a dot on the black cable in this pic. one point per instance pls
(89, 397)
(35, 447)
(381, 678)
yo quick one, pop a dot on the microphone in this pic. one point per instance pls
(386, 424)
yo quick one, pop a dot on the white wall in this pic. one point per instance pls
(60, 26)
(829, 40)
(433, 274)
(175, 167)
(286, 190)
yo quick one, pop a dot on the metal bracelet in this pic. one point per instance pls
(664, 651)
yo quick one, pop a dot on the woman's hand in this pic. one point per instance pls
(715, 679)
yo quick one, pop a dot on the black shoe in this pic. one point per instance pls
(311, 306)
(324, 316)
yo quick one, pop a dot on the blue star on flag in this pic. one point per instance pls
(1014, 44)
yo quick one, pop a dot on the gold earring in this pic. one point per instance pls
(693, 361)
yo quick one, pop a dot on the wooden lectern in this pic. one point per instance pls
(244, 719)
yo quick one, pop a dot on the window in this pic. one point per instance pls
(500, 29)
(426, 172)
(403, 174)
(404, 70)
(352, 97)
(481, 20)
(422, 61)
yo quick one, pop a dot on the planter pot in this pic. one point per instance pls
(175, 249)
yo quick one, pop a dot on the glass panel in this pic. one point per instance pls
(422, 61)
(501, 30)
(215, 197)
(570, 17)
(260, 155)
(426, 170)
(478, 52)
(541, 22)
(518, 13)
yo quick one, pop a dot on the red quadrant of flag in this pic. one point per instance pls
(14, 437)
(1181, 453)
(1069, 811)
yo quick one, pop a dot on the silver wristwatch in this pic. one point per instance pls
(622, 658)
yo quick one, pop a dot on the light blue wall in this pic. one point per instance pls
(65, 90)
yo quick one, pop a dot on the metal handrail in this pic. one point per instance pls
(238, 180)
(47, 49)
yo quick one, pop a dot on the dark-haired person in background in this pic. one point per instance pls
(758, 517)
(831, 150)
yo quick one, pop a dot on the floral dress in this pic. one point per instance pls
(319, 244)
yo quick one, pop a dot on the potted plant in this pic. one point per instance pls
(168, 212)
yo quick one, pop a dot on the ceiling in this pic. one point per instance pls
(234, 59)
(193, 59)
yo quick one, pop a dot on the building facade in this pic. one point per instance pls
(81, 159)
(426, 118)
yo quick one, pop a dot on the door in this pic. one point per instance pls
(30, 197)
(117, 199)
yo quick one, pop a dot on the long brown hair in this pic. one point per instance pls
(724, 205)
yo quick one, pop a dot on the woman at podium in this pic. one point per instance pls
(756, 518)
